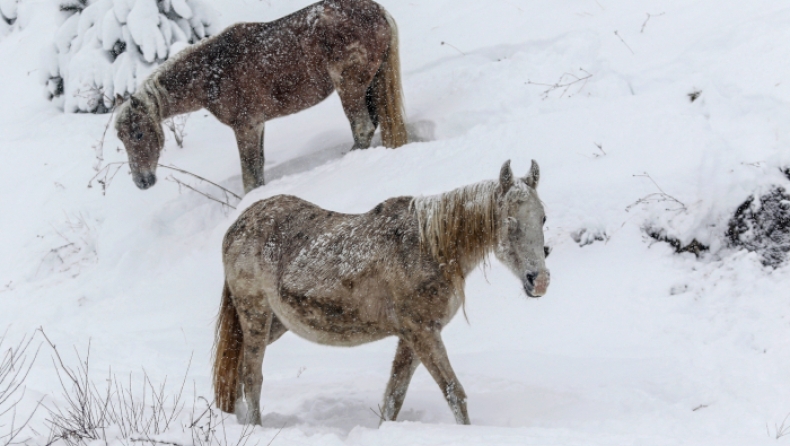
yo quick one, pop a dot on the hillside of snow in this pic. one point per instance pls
(633, 343)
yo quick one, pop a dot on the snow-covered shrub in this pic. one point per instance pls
(8, 15)
(588, 236)
(106, 48)
(660, 235)
(762, 224)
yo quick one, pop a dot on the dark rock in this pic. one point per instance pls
(762, 225)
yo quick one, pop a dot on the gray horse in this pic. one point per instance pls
(347, 279)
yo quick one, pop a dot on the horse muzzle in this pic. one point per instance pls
(144, 181)
(536, 283)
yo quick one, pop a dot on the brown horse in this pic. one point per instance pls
(253, 72)
(347, 279)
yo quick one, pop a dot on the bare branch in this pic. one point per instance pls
(210, 197)
(565, 82)
(177, 125)
(171, 167)
(648, 19)
(657, 197)
(454, 47)
(626, 45)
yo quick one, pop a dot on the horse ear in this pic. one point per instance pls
(506, 177)
(533, 177)
(136, 103)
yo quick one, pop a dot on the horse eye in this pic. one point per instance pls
(138, 136)
(546, 251)
(544, 219)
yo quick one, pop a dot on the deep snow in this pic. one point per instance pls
(632, 344)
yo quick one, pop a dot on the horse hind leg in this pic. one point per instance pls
(256, 326)
(276, 331)
(403, 367)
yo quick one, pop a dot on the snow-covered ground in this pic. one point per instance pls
(633, 344)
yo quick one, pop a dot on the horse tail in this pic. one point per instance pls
(385, 94)
(227, 353)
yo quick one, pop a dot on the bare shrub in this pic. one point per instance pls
(15, 364)
(76, 247)
(119, 411)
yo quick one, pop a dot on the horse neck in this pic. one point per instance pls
(459, 227)
(171, 95)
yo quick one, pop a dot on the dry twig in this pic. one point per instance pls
(177, 125)
(453, 47)
(626, 45)
(565, 82)
(657, 197)
(648, 19)
(105, 176)
(180, 184)
(780, 430)
(600, 147)
(186, 172)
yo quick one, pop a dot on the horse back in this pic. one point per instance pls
(280, 67)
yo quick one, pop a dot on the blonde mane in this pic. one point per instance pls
(459, 227)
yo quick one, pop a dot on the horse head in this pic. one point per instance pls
(520, 239)
(141, 133)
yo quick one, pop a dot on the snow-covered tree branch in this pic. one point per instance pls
(106, 48)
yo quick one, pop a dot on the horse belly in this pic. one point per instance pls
(290, 94)
(347, 319)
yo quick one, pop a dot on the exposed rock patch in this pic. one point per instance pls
(762, 225)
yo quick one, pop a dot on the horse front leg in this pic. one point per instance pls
(403, 367)
(428, 346)
(249, 137)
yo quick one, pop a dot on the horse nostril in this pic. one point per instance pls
(146, 181)
(531, 278)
